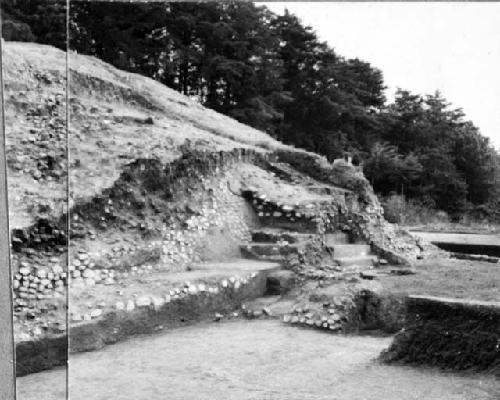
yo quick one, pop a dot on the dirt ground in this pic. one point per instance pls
(263, 360)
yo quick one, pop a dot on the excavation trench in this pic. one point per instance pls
(262, 360)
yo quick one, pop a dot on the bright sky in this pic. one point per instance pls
(422, 47)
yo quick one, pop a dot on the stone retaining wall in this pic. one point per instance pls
(145, 315)
(272, 214)
(39, 251)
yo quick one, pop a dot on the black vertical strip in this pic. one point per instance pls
(7, 347)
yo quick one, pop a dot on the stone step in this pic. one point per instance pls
(280, 282)
(269, 251)
(297, 226)
(278, 235)
(362, 261)
(270, 306)
(204, 270)
(332, 239)
(350, 250)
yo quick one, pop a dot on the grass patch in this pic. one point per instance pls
(448, 278)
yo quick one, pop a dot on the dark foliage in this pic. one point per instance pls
(40, 20)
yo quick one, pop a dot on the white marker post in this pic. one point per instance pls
(7, 350)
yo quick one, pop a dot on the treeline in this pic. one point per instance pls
(274, 73)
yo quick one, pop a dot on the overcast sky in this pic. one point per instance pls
(451, 47)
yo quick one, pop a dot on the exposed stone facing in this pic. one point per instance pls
(40, 260)
(102, 211)
(322, 218)
(298, 217)
(193, 167)
(331, 307)
(332, 317)
(44, 235)
(89, 311)
(173, 209)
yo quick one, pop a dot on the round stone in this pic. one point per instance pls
(130, 305)
(88, 273)
(41, 273)
(143, 301)
(76, 318)
(89, 282)
(96, 313)
(57, 269)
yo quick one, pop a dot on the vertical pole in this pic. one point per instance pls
(68, 204)
(7, 352)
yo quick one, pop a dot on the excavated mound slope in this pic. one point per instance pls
(115, 118)
(158, 184)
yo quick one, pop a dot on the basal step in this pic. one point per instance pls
(277, 235)
(305, 227)
(364, 261)
(350, 250)
(332, 239)
(268, 250)
(230, 266)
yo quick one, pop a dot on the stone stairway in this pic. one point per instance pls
(332, 259)
(357, 254)
(278, 236)
(287, 228)
(272, 244)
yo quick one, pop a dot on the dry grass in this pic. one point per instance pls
(449, 278)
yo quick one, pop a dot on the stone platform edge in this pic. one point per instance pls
(184, 308)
